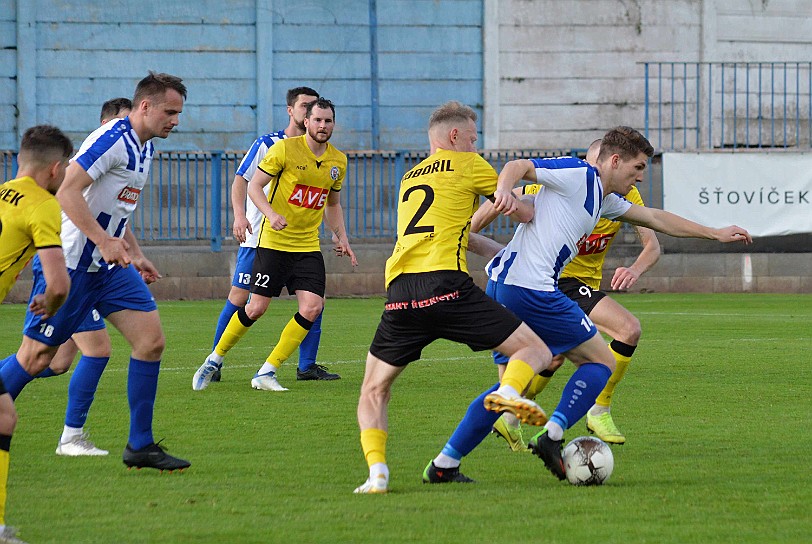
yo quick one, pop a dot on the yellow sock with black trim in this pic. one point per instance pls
(373, 442)
(537, 384)
(5, 445)
(237, 326)
(517, 375)
(292, 335)
(623, 356)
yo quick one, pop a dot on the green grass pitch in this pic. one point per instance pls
(716, 408)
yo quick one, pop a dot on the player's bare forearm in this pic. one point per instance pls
(57, 282)
(650, 253)
(675, 225)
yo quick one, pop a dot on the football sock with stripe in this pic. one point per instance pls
(580, 393)
(472, 430)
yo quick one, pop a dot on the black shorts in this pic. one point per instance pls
(584, 295)
(2, 387)
(421, 308)
(274, 269)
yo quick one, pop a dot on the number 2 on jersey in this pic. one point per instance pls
(428, 198)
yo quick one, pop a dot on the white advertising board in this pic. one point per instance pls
(769, 194)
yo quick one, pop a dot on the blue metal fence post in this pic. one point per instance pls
(216, 200)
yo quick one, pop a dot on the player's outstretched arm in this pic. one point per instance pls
(626, 277)
(57, 282)
(675, 225)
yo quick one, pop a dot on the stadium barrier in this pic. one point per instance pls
(187, 198)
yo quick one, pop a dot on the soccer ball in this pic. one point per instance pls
(588, 461)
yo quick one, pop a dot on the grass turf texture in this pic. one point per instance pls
(716, 408)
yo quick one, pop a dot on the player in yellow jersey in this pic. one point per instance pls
(30, 222)
(580, 281)
(306, 174)
(430, 294)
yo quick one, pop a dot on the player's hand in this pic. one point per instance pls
(147, 270)
(504, 202)
(241, 225)
(342, 248)
(624, 278)
(39, 307)
(277, 221)
(114, 251)
(733, 234)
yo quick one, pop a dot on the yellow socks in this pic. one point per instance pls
(517, 375)
(373, 442)
(4, 459)
(537, 385)
(292, 335)
(623, 356)
(237, 327)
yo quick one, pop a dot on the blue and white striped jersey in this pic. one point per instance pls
(118, 163)
(246, 169)
(567, 208)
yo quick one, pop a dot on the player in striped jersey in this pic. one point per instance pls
(524, 275)
(247, 222)
(581, 281)
(30, 223)
(91, 338)
(101, 191)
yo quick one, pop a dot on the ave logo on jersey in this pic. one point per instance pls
(129, 195)
(308, 197)
(594, 243)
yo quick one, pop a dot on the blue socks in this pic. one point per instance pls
(309, 347)
(82, 389)
(225, 316)
(14, 376)
(47, 373)
(580, 393)
(473, 428)
(142, 385)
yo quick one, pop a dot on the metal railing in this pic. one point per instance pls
(188, 195)
(728, 105)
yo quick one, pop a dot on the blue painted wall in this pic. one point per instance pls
(71, 55)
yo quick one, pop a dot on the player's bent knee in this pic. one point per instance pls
(631, 332)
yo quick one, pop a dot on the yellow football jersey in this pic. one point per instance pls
(299, 188)
(587, 266)
(436, 201)
(30, 219)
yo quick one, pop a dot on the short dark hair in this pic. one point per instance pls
(626, 142)
(113, 107)
(452, 111)
(322, 103)
(44, 144)
(294, 93)
(156, 84)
